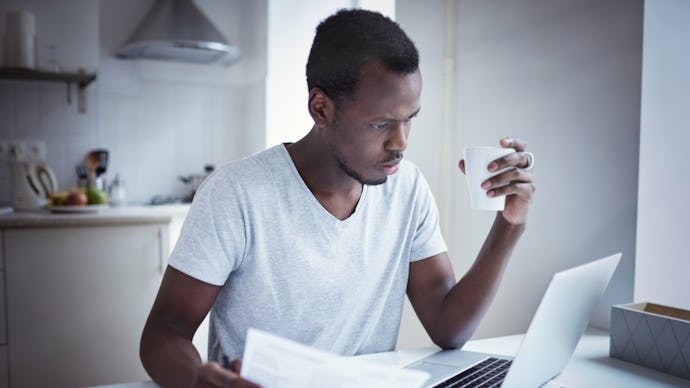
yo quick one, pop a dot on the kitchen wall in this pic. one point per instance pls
(663, 261)
(159, 120)
(565, 76)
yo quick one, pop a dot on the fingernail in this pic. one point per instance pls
(492, 167)
(490, 193)
(486, 185)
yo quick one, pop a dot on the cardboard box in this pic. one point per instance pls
(652, 335)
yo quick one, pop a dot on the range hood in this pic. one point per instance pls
(176, 30)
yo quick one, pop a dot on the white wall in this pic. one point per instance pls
(663, 260)
(565, 76)
(291, 28)
(159, 120)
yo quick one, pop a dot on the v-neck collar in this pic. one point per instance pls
(325, 214)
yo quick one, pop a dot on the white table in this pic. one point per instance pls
(590, 366)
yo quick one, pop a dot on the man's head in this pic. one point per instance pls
(348, 40)
(364, 89)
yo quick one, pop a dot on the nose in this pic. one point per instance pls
(397, 136)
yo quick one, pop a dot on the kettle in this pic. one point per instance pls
(32, 183)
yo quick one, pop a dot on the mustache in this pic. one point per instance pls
(393, 159)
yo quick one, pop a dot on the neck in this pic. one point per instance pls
(320, 171)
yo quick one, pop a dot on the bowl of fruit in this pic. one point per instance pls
(78, 200)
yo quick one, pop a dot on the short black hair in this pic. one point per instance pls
(351, 38)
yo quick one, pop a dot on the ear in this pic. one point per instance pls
(321, 108)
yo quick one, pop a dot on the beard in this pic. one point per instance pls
(343, 164)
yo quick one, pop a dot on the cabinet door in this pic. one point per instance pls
(77, 300)
(3, 320)
(4, 382)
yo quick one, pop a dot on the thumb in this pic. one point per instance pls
(236, 365)
(461, 165)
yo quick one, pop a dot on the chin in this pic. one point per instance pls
(375, 182)
(366, 181)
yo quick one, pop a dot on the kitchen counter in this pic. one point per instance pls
(97, 275)
(125, 215)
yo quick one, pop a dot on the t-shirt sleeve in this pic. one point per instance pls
(428, 240)
(212, 240)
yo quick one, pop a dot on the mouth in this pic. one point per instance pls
(392, 166)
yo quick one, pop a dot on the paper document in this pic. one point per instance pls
(276, 362)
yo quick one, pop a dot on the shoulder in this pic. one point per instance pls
(262, 161)
(254, 168)
(239, 181)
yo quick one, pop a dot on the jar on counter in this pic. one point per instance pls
(116, 192)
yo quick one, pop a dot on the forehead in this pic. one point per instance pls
(384, 93)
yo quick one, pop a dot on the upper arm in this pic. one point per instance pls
(429, 283)
(182, 303)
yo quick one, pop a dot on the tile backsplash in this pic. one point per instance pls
(154, 130)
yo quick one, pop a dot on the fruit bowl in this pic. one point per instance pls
(77, 200)
(76, 208)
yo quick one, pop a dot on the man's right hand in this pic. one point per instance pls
(212, 374)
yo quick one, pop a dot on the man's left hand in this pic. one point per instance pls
(516, 183)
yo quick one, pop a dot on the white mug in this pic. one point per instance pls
(477, 160)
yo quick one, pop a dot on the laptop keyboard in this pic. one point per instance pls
(488, 373)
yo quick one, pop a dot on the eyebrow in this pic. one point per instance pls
(415, 113)
(393, 119)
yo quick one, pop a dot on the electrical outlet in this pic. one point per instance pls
(4, 151)
(36, 150)
(17, 151)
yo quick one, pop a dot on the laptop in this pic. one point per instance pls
(546, 348)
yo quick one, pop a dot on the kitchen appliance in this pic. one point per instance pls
(32, 183)
(96, 162)
(195, 180)
(176, 30)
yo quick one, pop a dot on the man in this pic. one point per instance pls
(320, 240)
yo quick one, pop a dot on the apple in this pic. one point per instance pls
(76, 198)
(96, 196)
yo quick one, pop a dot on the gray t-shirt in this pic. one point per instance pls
(289, 267)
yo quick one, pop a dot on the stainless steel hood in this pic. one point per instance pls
(176, 30)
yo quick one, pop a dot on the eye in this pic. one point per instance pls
(408, 122)
(379, 126)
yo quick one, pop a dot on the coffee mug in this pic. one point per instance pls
(477, 160)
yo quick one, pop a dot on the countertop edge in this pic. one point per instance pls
(131, 215)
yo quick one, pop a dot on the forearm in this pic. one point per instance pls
(169, 357)
(467, 302)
